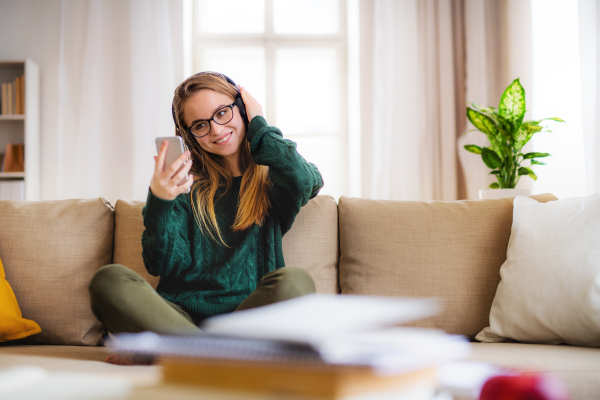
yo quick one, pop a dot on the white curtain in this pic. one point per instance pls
(589, 50)
(408, 144)
(115, 85)
(421, 61)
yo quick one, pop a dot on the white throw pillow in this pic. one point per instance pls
(550, 287)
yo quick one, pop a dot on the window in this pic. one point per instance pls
(291, 56)
(557, 93)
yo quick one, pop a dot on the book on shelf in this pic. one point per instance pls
(12, 96)
(12, 100)
(14, 158)
(325, 346)
(18, 95)
(3, 98)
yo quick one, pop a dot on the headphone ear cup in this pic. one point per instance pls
(239, 102)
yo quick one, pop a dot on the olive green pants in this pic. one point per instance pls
(125, 302)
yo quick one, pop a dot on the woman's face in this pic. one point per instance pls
(202, 106)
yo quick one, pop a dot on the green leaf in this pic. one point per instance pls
(532, 175)
(481, 121)
(529, 156)
(524, 171)
(473, 148)
(537, 122)
(536, 162)
(483, 109)
(512, 103)
(505, 127)
(494, 185)
(528, 172)
(525, 132)
(520, 135)
(531, 127)
(490, 158)
(496, 172)
(486, 125)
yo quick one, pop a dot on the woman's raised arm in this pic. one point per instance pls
(295, 180)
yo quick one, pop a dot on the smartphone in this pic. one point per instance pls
(173, 152)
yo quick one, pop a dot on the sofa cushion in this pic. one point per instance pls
(449, 250)
(12, 324)
(129, 225)
(550, 282)
(579, 367)
(50, 251)
(311, 243)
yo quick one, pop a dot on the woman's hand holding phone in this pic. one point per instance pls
(164, 181)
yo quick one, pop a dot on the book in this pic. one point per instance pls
(328, 382)
(14, 158)
(23, 94)
(18, 95)
(326, 346)
(3, 98)
(271, 368)
(14, 97)
(10, 98)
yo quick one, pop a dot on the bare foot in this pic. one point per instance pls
(130, 359)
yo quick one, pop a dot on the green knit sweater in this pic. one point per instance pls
(204, 277)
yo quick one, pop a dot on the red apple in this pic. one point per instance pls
(525, 386)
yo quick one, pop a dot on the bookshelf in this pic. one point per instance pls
(23, 128)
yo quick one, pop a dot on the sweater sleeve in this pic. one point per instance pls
(165, 241)
(295, 181)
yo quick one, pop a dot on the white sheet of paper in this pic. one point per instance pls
(314, 318)
(396, 349)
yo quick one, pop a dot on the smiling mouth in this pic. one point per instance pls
(226, 138)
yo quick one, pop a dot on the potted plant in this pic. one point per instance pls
(508, 134)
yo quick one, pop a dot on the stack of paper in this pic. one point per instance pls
(326, 345)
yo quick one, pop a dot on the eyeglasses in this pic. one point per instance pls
(221, 117)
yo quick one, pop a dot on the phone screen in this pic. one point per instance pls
(174, 150)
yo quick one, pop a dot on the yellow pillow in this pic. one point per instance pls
(12, 324)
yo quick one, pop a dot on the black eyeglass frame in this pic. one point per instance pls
(212, 119)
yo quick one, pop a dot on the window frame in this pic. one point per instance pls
(271, 42)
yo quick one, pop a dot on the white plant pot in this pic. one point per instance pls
(501, 193)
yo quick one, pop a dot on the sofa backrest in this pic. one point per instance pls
(449, 250)
(311, 243)
(50, 251)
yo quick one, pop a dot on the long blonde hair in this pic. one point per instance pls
(211, 171)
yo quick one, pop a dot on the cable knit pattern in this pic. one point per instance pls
(206, 278)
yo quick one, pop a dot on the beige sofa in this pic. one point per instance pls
(449, 250)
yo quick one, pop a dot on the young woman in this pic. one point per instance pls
(217, 249)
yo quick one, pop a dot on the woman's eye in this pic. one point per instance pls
(200, 126)
(221, 113)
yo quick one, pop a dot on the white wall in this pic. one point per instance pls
(31, 29)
